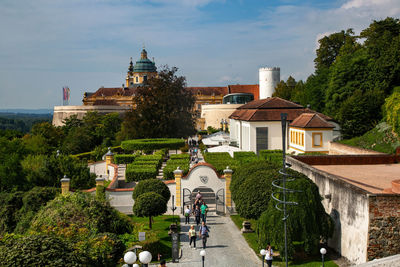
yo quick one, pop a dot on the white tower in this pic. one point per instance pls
(269, 78)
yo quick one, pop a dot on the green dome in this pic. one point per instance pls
(144, 64)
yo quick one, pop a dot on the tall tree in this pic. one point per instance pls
(286, 89)
(163, 109)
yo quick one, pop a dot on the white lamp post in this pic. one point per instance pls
(323, 252)
(263, 253)
(145, 258)
(203, 255)
(130, 258)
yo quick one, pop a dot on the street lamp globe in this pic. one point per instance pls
(263, 252)
(130, 257)
(145, 257)
(323, 251)
(135, 265)
(202, 253)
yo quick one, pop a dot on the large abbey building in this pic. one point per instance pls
(120, 99)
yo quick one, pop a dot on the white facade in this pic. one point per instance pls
(309, 140)
(268, 80)
(244, 133)
(213, 114)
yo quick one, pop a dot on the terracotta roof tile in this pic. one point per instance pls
(270, 102)
(311, 120)
(209, 90)
(114, 91)
(245, 88)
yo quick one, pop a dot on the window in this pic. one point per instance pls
(317, 139)
(198, 106)
(144, 78)
(261, 138)
(137, 79)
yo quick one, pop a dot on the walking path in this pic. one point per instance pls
(226, 246)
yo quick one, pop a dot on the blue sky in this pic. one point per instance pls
(47, 44)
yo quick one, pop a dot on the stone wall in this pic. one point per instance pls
(348, 207)
(384, 226)
(342, 149)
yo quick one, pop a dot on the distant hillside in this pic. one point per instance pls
(22, 122)
(381, 139)
(27, 111)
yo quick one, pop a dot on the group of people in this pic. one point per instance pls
(199, 210)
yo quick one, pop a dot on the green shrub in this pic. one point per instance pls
(184, 148)
(220, 160)
(140, 172)
(11, 203)
(217, 156)
(149, 204)
(124, 158)
(152, 144)
(168, 171)
(179, 156)
(251, 187)
(271, 155)
(307, 224)
(152, 185)
(244, 156)
(158, 157)
(38, 250)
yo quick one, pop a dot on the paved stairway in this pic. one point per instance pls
(226, 246)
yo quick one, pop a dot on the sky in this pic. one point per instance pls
(48, 44)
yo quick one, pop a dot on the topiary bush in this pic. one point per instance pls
(140, 172)
(244, 156)
(124, 158)
(307, 223)
(251, 187)
(152, 144)
(149, 204)
(271, 155)
(151, 185)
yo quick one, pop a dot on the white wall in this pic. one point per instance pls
(274, 134)
(213, 114)
(268, 79)
(246, 136)
(192, 181)
(121, 200)
(326, 138)
(98, 168)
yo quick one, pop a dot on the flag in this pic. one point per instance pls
(66, 93)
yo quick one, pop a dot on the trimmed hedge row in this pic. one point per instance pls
(245, 156)
(153, 144)
(179, 156)
(220, 160)
(168, 171)
(274, 156)
(124, 158)
(149, 157)
(140, 172)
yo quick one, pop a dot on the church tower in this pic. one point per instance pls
(143, 70)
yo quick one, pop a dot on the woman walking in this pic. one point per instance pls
(268, 255)
(192, 236)
(203, 233)
(197, 213)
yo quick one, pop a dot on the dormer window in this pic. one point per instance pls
(144, 78)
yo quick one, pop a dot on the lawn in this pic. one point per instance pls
(160, 228)
(251, 239)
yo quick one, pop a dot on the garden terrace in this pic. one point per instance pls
(152, 144)
(176, 160)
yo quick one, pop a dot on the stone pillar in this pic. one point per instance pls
(228, 179)
(65, 185)
(178, 177)
(109, 158)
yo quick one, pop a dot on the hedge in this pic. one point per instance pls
(179, 156)
(220, 160)
(152, 144)
(149, 157)
(245, 156)
(139, 172)
(124, 158)
(274, 156)
(217, 156)
(168, 171)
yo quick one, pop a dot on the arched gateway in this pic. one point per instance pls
(203, 177)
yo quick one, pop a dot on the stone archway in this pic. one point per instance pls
(207, 193)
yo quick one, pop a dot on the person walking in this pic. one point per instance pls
(204, 210)
(197, 213)
(198, 196)
(203, 233)
(188, 211)
(269, 255)
(192, 236)
(162, 263)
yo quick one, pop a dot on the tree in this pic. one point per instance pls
(163, 109)
(11, 174)
(307, 222)
(148, 205)
(391, 110)
(151, 185)
(286, 89)
(329, 48)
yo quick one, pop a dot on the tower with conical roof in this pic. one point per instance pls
(141, 71)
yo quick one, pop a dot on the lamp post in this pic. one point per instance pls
(130, 258)
(145, 258)
(203, 255)
(263, 253)
(323, 252)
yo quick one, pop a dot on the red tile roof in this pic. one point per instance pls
(270, 109)
(209, 90)
(114, 91)
(310, 120)
(245, 88)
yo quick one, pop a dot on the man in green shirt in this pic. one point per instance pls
(204, 210)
